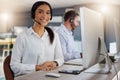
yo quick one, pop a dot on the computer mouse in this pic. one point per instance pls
(56, 75)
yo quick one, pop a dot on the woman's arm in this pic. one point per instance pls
(48, 65)
(16, 59)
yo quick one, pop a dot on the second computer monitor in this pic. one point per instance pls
(117, 37)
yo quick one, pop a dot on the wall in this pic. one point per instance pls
(24, 19)
(113, 13)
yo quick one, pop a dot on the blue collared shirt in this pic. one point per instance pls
(67, 43)
(30, 50)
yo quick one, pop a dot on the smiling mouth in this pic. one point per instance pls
(44, 21)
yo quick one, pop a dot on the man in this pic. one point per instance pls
(71, 21)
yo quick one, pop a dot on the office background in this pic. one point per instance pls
(22, 18)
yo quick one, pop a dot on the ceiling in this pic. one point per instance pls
(25, 5)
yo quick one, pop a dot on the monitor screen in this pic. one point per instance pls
(91, 30)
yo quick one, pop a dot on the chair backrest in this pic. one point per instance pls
(7, 70)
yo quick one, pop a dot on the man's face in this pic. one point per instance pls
(75, 22)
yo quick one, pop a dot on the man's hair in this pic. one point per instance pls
(36, 5)
(70, 15)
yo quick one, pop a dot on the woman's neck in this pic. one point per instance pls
(39, 29)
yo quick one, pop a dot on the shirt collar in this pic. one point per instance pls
(66, 30)
(31, 31)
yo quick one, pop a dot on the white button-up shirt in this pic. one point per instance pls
(30, 50)
(67, 42)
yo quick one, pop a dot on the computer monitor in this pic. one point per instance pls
(92, 37)
(117, 37)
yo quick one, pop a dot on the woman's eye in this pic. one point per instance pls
(40, 11)
(48, 12)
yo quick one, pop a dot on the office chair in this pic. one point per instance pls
(7, 70)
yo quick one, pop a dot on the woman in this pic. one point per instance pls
(39, 47)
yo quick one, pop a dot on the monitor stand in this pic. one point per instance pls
(101, 68)
(104, 64)
(97, 69)
(117, 57)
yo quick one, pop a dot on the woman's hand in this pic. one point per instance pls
(49, 65)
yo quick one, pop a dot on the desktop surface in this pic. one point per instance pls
(40, 75)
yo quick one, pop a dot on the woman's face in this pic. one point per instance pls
(42, 14)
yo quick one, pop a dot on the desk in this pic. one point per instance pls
(40, 75)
